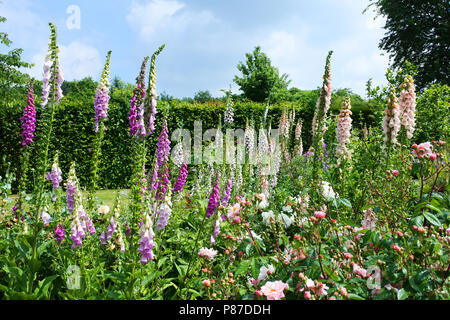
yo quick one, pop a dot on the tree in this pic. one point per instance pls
(418, 31)
(164, 96)
(203, 96)
(13, 83)
(259, 77)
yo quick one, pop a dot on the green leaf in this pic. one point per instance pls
(418, 221)
(330, 273)
(346, 203)
(432, 219)
(248, 249)
(182, 269)
(255, 268)
(355, 296)
(430, 206)
(43, 247)
(161, 262)
(43, 287)
(24, 249)
(243, 267)
(402, 294)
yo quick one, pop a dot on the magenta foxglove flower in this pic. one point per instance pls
(226, 197)
(136, 114)
(29, 119)
(181, 180)
(163, 183)
(155, 182)
(163, 144)
(133, 114)
(59, 232)
(214, 199)
(141, 130)
(162, 158)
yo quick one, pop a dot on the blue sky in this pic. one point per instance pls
(205, 39)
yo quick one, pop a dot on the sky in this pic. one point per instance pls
(205, 40)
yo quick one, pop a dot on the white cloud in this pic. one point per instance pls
(293, 54)
(281, 45)
(164, 16)
(23, 25)
(148, 17)
(77, 60)
(30, 31)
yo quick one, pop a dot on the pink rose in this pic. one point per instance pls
(274, 290)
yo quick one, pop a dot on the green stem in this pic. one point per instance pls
(94, 169)
(193, 253)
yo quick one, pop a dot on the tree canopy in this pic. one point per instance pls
(259, 77)
(419, 32)
(13, 82)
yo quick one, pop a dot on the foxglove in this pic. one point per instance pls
(408, 106)
(146, 242)
(391, 121)
(29, 118)
(102, 95)
(214, 198)
(181, 180)
(343, 128)
(136, 118)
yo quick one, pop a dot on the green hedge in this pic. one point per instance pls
(74, 122)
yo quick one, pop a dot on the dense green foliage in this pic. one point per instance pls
(433, 110)
(13, 83)
(74, 135)
(259, 78)
(370, 223)
(418, 31)
(378, 231)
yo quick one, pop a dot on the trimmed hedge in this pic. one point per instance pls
(73, 133)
